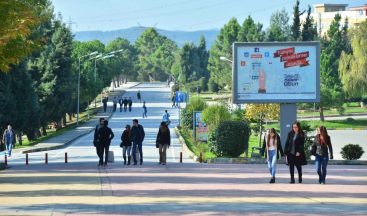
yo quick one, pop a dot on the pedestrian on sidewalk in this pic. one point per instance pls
(137, 136)
(138, 96)
(105, 135)
(120, 103)
(165, 118)
(173, 100)
(125, 104)
(145, 111)
(104, 101)
(96, 141)
(114, 104)
(130, 102)
(163, 142)
(126, 144)
(320, 149)
(272, 148)
(294, 149)
(9, 139)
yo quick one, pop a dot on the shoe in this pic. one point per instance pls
(292, 182)
(141, 162)
(163, 164)
(124, 160)
(300, 180)
(272, 180)
(128, 160)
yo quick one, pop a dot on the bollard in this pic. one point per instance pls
(26, 159)
(201, 157)
(6, 160)
(46, 158)
(66, 157)
(180, 157)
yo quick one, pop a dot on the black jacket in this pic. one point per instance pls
(137, 134)
(279, 147)
(322, 150)
(163, 138)
(125, 138)
(299, 144)
(105, 135)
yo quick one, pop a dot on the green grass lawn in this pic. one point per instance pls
(332, 124)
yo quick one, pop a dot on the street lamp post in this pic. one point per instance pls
(225, 59)
(78, 102)
(98, 57)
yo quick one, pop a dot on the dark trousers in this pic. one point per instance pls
(103, 151)
(99, 150)
(140, 147)
(292, 160)
(321, 164)
(120, 108)
(104, 107)
(125, 108)
(129, 108)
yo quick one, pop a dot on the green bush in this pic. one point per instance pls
(203, 83)
(229, 139)
(215, 114)
(352, 152)
(195, 104)
(213, 86)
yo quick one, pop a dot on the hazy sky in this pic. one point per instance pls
(187, 15)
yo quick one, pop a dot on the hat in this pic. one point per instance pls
(127, 126)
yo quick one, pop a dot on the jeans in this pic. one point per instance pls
(272, 162)
(103, 150)
(162, 153)
(140, 147)
(321, 164)
(126, 149)
(9, 147)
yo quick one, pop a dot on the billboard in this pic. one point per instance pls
(200, 127)
(276, 72)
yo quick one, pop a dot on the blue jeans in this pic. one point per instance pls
(272, 162)
(140, 147)
(321, 164)
(9, 147)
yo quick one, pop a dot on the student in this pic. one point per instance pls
(320, 149)
(130, 102)
(105, 135)
(145, 111)
(121, 102)
(163, 142)
(126, 144)
(165, 118)
(114, 104)
(138, 95)
(125, 104)
(137, 136)
(9, 139)
(96, 141)
(294, 149)
(272, 148)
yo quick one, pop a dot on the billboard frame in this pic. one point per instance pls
(236, 45)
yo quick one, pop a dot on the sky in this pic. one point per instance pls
(185, 15)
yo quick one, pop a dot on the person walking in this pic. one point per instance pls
(163, 142)
(165, 118)
(272, 148)
(145, 111)
(173, 101)
(125, 104)
(96, 142)
(138, 96)
(126, 144)
(120, 103)
(105, 135)
(130, 102)
(294, 150)
(9, 139)
(114, 104)
(137, 137)
(104, 101)
(320, 149)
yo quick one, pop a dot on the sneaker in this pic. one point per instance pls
(272, 180)
(292, 182)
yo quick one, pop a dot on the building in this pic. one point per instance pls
(324, 14)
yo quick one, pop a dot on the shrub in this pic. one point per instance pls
(352, 152)
(229, 139)
(203, 83)
(213, 86)
(215, 114)
(195, 104)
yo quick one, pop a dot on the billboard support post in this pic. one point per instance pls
(288, 115)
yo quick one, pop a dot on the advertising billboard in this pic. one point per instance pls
(200, 127)
(276, 72)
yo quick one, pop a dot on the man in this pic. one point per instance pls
(137, 136)
(96, 141)
(105, 135)
(138, 96)
(121, 102)
(165, 118)
(130, 102)
(125, 104)
(104, 101)
(114, 104)
(9, 139)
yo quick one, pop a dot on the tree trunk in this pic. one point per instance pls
(70, 116)
(44, 132)
(321, 110)
(64, 121)
(261, 129)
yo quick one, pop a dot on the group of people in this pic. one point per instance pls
(294, 152)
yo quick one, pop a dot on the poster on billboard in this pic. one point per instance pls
(276, 72)
(200, 127)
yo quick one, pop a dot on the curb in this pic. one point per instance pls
(263, 161)
(184, 146)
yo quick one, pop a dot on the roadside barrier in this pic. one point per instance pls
(66, 157)
(46, 158)
(6, 160)
(180, 157)
(26, 159)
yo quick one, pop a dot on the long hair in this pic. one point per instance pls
(323, 134)
(273, 131)
(163, 127)
(300, 131)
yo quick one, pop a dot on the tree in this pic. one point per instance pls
(296, 25)
(203, 55)
(214, 115)
(250, 31)
(309, 31)
(353, 66)
(279, 29)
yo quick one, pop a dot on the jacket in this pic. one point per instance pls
(163, 138)
(5, 139)
(279, 147)
(137, 134)
(105, 135)
(299, 144)
(126, 138)
(322, 150)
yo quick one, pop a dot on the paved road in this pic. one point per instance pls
(157, 98)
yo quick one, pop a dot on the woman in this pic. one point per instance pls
(294, 149)
(163, 142)
(126, 144)
(273, 148)
(144, 110)
(320, 149)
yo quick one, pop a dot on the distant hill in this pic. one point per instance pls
(131, 34)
